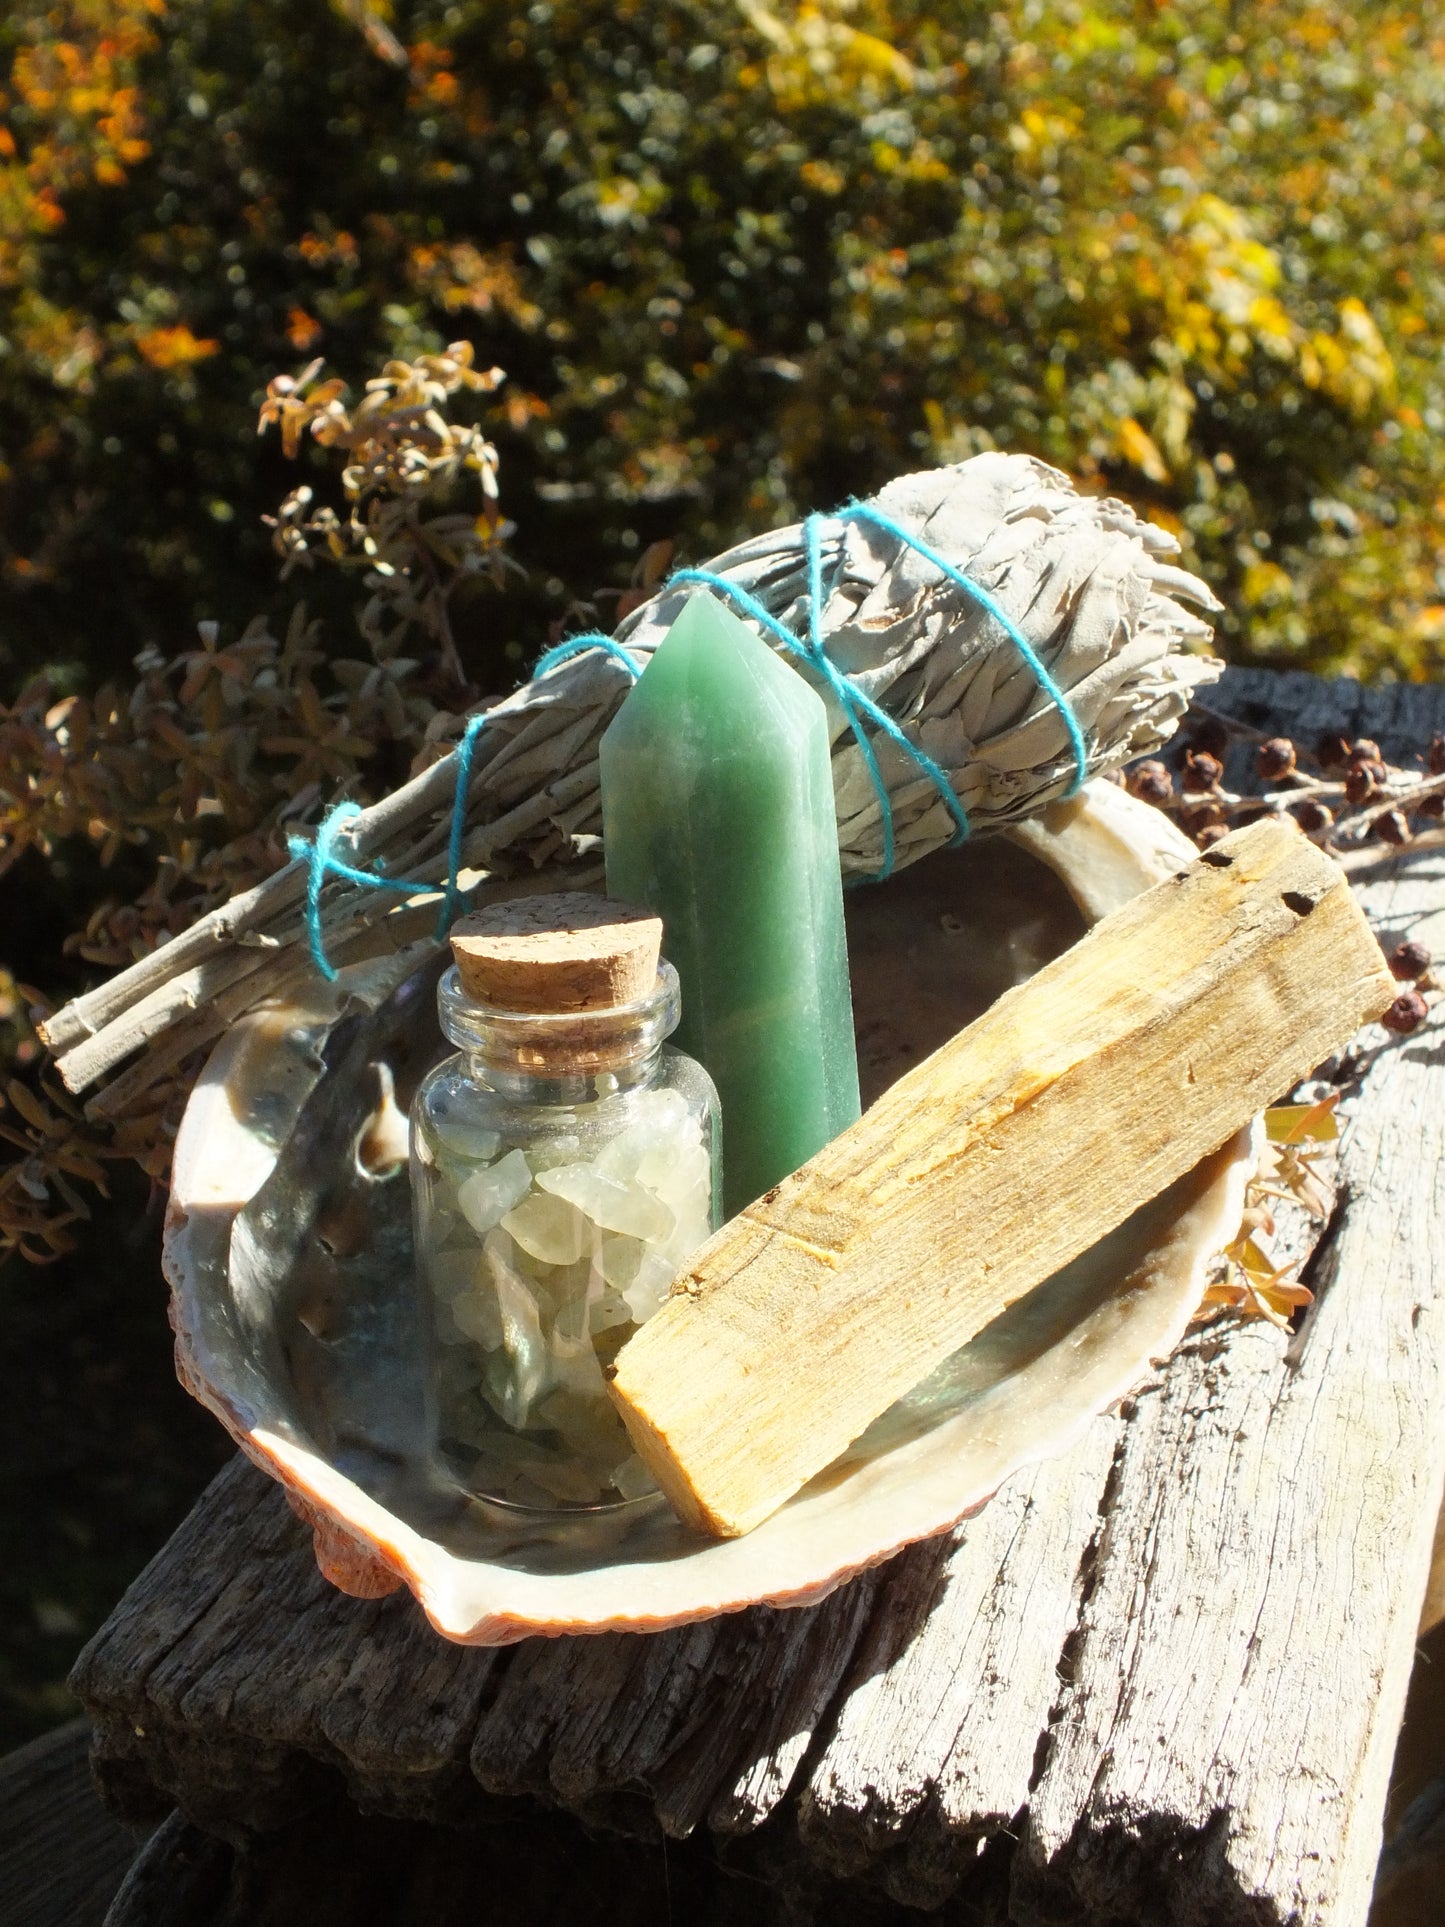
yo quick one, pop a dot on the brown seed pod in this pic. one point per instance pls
(1364, 749)
(1201, 771)
(1392, 827)
(1276, 758)
(1332, 751)
(1435, 755)
(1432, 808)
(1409, 960)
(1313, 817)
(1210, 833)
(1407, 1013)
(1151, 783)
(1363, 781)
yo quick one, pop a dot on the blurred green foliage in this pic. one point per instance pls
(737, 262)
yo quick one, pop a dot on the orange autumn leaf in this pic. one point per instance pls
(303, 331)
(174, 347)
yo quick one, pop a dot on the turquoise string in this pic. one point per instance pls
(865, 512)
(856, 704)
(453, 895)
(323, 860)
(320, 854)
(550, 659)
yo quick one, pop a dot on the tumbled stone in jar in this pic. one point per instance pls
(694, 1222)
(523, 1378)
(610, 1310)
(590, 1428)
(478, 1316)
(650, 1287)
(632, 1478)
(549, 1227)
(574, 1367)
(564, 1479)
(448, 1331)
(457, 1378)
(656, 1122)
(486, 1197)
(678, 1175)
(532, 1473)
(452, 1271)
(554, 1286)
(564, 1148)
(620, 1156)
(617, 1204)
(618, 1258)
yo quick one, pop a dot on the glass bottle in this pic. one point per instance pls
(565, 1164)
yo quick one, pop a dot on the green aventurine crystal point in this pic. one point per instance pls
(717, 813)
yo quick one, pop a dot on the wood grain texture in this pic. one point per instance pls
(936, 1741)
(1156, 1680)
(260, 1682)
(832, 1296)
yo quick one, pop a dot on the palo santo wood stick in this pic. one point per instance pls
(1075, 1099)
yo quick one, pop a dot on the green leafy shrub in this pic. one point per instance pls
(737, 262)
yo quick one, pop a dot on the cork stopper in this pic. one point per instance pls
(566, 951)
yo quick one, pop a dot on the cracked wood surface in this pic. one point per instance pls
(1157, 1679)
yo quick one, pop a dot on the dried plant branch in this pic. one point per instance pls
(210, 759)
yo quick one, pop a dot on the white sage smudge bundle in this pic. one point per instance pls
(1090, 585)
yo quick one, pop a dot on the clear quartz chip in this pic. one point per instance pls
(651, 1286)
(486, 1197)
(451, 1272)
(478, 1315)
(632, 1478)
(618, 1259)
(611, 1310)
(525, 1347)
(615, 1204)
(549, 1228)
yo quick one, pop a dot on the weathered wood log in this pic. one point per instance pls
(62, 1855)
(179, 1878)
(1195, 1628)
(970, 1646)
(1076, 1098)
(341, 1868)
(1240, 1708)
